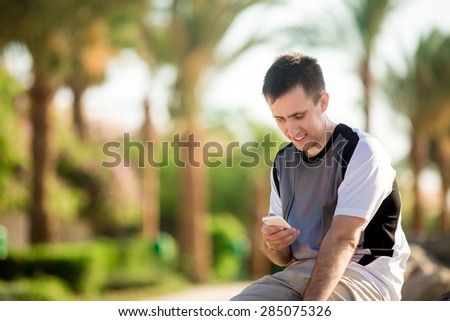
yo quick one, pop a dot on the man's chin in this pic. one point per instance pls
(300, 146)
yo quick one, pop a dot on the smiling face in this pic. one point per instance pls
(302, 121)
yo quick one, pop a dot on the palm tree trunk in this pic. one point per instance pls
(150, 182)
(366, 77)
(194, 236)
(78, 87)
(444, 170)
(259, 264)
(418, 156)
(43, 226)
(195, 241)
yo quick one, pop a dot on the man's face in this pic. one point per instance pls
(300, 120)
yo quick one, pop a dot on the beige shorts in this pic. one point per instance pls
(290, 284)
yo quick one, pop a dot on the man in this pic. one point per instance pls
(336, 187)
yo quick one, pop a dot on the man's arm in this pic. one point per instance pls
(277, 241)
(335, 253)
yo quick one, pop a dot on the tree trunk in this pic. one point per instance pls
(43, 228)
(194, 236)
(418, 156)
(366, 77)
(78, 88)
(150, 181)
(259, 263)
(444, 170)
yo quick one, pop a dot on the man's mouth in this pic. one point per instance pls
(299, 138)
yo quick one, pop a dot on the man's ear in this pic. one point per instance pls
(324, 101)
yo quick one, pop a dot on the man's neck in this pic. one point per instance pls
(329, 129)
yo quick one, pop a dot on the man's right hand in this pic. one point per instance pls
(278, 239)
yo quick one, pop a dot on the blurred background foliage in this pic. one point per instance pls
(76, 229)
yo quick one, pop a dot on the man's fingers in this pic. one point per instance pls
(271, 229)
(280, 238)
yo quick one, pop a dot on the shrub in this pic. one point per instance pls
(230, 246)
(45, 288)
(88, 268)
(84, 267)
(143, 263)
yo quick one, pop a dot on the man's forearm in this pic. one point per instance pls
(331, 263)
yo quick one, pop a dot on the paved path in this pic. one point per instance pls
(210, 292)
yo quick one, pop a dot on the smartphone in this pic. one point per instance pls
(275, 220)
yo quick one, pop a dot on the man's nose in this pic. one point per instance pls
(292, 128)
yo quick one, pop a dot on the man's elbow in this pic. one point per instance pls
(347, 239)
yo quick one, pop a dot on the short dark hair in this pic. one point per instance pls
(290, 70)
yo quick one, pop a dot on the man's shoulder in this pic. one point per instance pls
(365, 141)
(347, 132)
(361, 135)
(366, 149)
(369, 143)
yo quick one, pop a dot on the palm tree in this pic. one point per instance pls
(434, 80)
(88, 62)
(150, 182)
(422, 95)
(358, 33)
(439, 96)
(49, 30)
(114, 29)
(187, 41)
(35, 26)
(369, 16)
